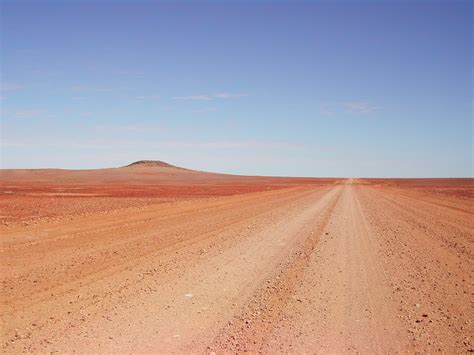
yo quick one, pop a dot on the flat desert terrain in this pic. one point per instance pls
(155, 258)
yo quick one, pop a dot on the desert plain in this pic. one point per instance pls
(156, 258)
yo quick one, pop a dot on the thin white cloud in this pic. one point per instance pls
(203, 110)
(228, 95)
(89, 88)
(29, 113)
(174, 144)
(360, 107)
(193, 98)
(127, 128)
(207, 97)
(8, 87)
(355, 107)
(148, 97)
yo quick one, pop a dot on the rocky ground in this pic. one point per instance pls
(281, 266)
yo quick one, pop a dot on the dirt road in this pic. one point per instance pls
(343, 267)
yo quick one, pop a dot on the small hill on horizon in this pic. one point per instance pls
(150, 164)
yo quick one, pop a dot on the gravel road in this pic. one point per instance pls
(348, 267)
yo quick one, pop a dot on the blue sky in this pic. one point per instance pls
(323, 88)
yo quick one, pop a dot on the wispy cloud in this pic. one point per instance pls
(7, 87)
(208, 97)
(127, 128)
(148, 97)
(29, 113)
(193, 98)
(202, 110)
(174, 144)
(354, 107)
(228, 95)
(360, 107)
(89, 88)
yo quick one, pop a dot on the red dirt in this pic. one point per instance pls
(463, 188)
(34, 195)
(194, 262)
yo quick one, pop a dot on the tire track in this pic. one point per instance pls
(437, 226)
(343, 302)
(430, 280)
(249, 330)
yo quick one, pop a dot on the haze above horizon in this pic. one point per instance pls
(341, 88)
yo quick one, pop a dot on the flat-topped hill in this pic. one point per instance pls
(150, 164)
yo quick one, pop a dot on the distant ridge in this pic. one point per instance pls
(150, 164)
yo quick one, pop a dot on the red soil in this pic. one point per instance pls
(31, 195)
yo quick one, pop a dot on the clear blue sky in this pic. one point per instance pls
(328, 88)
